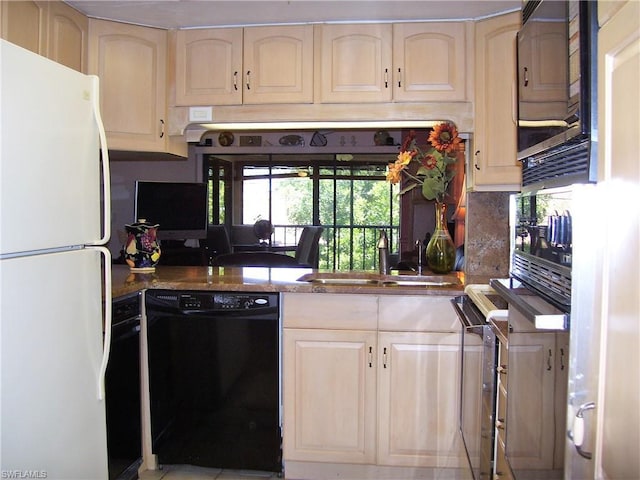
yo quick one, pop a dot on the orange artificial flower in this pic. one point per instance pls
(444, 138)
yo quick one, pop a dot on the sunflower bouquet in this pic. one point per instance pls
(434, 172)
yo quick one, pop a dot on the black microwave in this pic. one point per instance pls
(557, 73)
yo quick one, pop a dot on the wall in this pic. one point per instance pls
(487, 241)
(123, 177)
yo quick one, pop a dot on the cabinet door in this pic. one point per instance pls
(495, 166)
(543, 64)
(418, 399)
(329, 395)
(278, 64)
(209, 67)
(429, 62)
(68, 36)
(131, 63)
(530, 401)
(355, 63)
(25, 24)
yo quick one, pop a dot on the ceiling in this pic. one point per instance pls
(213, 13)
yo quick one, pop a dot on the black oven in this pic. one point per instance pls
(557, 117)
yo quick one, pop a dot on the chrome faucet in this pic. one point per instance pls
(420, 248)
(383, 253)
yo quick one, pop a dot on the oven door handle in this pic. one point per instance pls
(542, 321)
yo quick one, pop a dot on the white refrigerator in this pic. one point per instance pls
(54, 219)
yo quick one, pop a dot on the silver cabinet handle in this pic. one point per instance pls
(386, 78)
(399, 77)
(235, 80)
(161, 128)
(577, 433)
(248, 79)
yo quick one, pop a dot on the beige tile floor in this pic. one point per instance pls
(190, 472)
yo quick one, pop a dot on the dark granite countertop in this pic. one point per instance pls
(259, 279)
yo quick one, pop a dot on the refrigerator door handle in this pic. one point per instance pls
(106, 174)
(107, 319)
(576, 435)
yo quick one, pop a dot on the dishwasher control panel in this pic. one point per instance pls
(225, 301)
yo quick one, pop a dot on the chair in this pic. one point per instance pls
(307, 249)
(255, 259)
(217, 242)
(306, 255)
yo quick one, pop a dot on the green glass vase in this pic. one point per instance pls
(441, 252)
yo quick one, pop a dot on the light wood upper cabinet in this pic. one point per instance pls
(355, 63)
(494, 164)
(68, 36)
(25, 24)
(131, 63)
(406, 62)
(254, 65)
(278, 64)
(209, 67)
(543, 63)
(51, 29)
(429, 62)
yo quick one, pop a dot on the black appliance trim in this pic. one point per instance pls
(565, 165)
(551, 280)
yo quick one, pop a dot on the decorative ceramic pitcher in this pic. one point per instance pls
(142, 250)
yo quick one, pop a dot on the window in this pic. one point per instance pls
(350, 199)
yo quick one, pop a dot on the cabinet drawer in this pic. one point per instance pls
(417, 313)
(330, 311)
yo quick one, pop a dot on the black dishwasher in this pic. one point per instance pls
(122, 387)
(214, 378)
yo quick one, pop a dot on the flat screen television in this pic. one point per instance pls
(180, 208)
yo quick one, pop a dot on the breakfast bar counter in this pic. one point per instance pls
(259, 279)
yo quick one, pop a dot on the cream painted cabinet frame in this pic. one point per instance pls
(254, 65)
(494, 165)
(51, 29)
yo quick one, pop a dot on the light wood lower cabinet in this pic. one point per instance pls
(329, 400)
(356, 394)
(418, 408)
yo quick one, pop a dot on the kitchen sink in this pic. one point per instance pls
(376, 279)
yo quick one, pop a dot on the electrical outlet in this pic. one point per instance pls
(201, 114)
